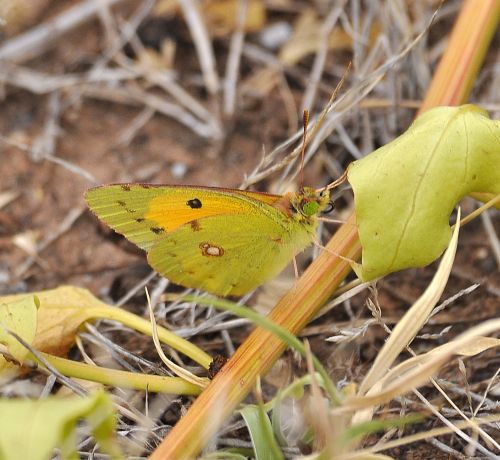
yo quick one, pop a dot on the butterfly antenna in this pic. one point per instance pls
(302, 154)
(339, 181)
(321, 119)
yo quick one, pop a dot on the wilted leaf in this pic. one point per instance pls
(18, 316)
(220, 15)
(32, 429)
(7, 197)
(149, 59)
(62, 311)
(308, 36)
(27, 241)
(405, 191)
(416, 371)
(479, 345)
(17, 15)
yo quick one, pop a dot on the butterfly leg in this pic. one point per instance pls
(333, 253)
(295, 267)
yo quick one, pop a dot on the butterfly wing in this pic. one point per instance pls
(145, 214)
(222, 240)
(229, 254)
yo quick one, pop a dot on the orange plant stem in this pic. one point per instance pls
(261, 349)
(468, 44)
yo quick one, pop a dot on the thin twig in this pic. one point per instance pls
(47, 367)
(62, 228)
(233, 60)
(39, 39)
(52, 158)
(359, 90)
(320, 59)
(43, 83)
(120, 39)
(202, 43)
(167, 82)
(492, 236)
(130, 131)
(44, 145)
(133, 95)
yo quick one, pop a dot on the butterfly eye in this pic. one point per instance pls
(309, 208)
(330, 207)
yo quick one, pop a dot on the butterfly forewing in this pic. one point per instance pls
(147, 213)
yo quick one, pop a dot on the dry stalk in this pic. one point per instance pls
(39, 39)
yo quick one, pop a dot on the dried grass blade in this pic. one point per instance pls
(408, 327)
(421, 368)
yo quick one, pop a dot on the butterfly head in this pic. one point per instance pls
(310, 202)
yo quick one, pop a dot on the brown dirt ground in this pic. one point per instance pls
(88, 255)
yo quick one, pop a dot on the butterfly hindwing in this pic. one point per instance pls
(227, 255)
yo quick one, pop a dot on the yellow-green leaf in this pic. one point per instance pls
(60, 313)
(32, 429)
(261, 432)
(63, 310)
(18, 316)
(406, 190)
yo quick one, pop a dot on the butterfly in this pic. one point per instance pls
(224, 241)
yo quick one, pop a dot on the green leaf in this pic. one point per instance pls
(227, 454)
(261, 432)
(19, 317)
(361, 430)
(405, 191)
(32, 429)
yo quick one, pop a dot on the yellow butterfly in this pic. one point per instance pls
(224, 241)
